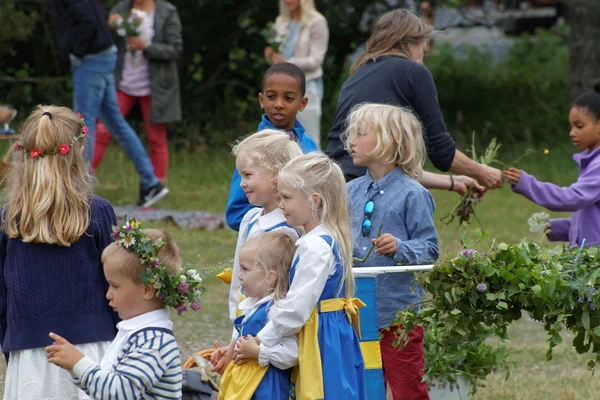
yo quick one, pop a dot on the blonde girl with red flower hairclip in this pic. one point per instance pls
(54, 231)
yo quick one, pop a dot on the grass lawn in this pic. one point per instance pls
(201, 182)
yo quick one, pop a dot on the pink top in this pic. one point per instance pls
(135, 79)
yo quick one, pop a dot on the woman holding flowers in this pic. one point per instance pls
(149, 41)
(51, 277)
(302, 39)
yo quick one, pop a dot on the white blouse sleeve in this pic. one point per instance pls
(235, 282)
(283, 355)
(315, 265)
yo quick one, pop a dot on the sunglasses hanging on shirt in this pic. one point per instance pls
(366, 224)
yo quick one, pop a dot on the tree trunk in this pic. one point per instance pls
(584, 20)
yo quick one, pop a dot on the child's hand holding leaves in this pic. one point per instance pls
(385, 244)
(63, 353)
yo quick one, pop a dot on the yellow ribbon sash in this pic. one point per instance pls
(239, 382)
(309, 375)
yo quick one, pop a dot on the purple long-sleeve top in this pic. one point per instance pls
(582, 198)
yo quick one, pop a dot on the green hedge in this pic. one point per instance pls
(523, 98)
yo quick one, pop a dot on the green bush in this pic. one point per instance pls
(523, 98)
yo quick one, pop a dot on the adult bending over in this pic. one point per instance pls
(391, 71)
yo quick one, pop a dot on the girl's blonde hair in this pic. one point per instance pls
(315, 173)
(399, 135)
(273, 252)
(392, 35)
(307, 8)
(48, 197)
(268, 149)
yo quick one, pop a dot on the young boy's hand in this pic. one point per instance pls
(247, 348)
(385, 244)
(512, 175)
(221, 358)
(63, 353)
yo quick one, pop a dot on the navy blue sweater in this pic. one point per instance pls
(81, 27)
(399, 82)
(48, 288)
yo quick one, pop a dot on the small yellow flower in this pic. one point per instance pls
(546, 151)
(543, 256)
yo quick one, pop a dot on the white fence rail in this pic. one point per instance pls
(374, 271)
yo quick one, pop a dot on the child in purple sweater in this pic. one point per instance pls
(582, 198)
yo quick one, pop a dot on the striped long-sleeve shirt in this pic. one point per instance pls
(148, 367)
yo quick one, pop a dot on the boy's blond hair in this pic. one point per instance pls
(315, 173)
(130, 265)
(48, 196)
(399, 135)
(273, 252)
(268, 149)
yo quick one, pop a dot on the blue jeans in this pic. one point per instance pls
(95, 95)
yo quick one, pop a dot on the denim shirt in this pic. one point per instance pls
(405, 210)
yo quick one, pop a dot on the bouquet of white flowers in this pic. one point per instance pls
(537, 222)
(129, 25)
(273, 38)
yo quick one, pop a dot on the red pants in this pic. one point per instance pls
(156, 134)
(403, 369)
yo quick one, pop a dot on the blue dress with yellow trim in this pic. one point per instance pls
(250, 380)
(341, 361)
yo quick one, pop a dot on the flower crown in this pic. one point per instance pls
(175, 291)
(63, 149)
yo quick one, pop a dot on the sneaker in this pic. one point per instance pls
(152, 195)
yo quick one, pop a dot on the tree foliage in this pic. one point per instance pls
(221, 67)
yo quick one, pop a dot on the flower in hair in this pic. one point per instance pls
(176, 291)
(63, 149)
(196, 305)
(128, 241)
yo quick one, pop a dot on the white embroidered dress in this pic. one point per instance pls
(29, 375)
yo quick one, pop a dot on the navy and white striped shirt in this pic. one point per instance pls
(148, 367)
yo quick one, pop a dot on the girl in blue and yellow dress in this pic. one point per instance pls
(258, 372)
(259, 157)
(319, 304)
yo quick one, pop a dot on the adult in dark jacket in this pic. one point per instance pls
(149, 77)
(392, 72)
(86, 40)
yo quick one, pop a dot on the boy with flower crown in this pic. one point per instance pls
(143, 269)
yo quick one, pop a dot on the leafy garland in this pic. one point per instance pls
(175, 291)
(475, 295)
